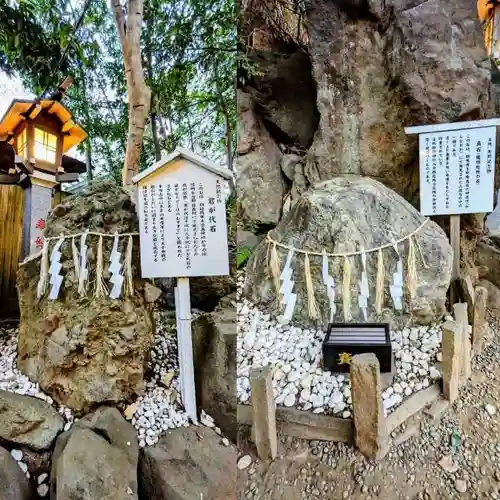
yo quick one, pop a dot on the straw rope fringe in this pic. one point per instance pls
(100, 286)
(346, 289)
(412, 270)
(91, 233)
(379, 284)
(350, 254)
(44, 270)
(311, 300)
(76, 259)
(129, 281)
(274, 266)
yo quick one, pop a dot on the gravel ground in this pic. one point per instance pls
(298, 377)
(454, 457)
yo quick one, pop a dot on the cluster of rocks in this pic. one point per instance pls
(99, 457)
(298, 377)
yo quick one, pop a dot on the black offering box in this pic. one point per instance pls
(344, 340)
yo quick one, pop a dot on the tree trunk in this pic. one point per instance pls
(88, 156)
(139, 95)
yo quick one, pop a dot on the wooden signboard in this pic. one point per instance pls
(457, 172)
(183, 233)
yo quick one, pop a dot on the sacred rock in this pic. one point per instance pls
(375, 67)
(343, 215)
(86, 350)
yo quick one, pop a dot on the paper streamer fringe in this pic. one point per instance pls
(311, 301)
(379, 284)
(44, 270)
(346, 289)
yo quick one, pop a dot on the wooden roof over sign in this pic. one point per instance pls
(73, 133)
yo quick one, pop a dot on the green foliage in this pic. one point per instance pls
(242, 256)
(189, 59)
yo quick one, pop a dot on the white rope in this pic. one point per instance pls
(349, 254)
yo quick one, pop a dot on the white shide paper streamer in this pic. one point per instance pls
(364, 291)
(329, 282)
(115, 270)
(289, 299)
(396, 289)
(55, 268)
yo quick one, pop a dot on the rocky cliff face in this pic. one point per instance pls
(362, 71)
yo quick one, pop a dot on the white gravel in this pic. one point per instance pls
(296, 354)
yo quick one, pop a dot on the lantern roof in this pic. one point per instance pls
(17, 113)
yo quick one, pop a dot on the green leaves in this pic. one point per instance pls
(242, 256)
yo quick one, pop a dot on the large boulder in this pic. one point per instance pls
(488, 257)
(260, 185)
(344, 215)
(214, 348)
(28, 421)
(188, 464)
(96, 458)
(385, 65)
(13, 483)
(84, 351)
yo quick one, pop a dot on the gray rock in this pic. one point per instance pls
(289, 163)
(28, 421)
(214, 348)
(260, 186)
(96, 458)
(342, 215)
(493, 303)
(488, 257)
(246, 239)
(13, 483)
(187, 464)
(92, 350)
(382, 66)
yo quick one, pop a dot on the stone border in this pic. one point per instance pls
(368, 429)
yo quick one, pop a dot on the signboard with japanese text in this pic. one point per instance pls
(457, 168)
(182, 220)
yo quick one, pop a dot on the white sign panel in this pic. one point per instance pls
(182, 220)
(457, 170)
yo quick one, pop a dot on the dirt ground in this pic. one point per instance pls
(453, 456)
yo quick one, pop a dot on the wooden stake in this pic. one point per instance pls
(455, 244)
(371, 435)
(451, 360)
(264, 413)
(479, 319)
(462, 319)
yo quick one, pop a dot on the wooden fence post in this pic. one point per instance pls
(264, 413)
(462, 320)
(479, 319)
(452, 363)
(370, 426)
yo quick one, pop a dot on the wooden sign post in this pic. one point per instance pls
(457, 174)
(183, 233)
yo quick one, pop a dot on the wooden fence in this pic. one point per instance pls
(11, 229)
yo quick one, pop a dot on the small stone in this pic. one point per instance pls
(244, 462)
(42, 477)
(17, 455)
(289, 400)
(23, 466)
(461, 485)
(42, 490)
(225, 441)
(490, 409)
